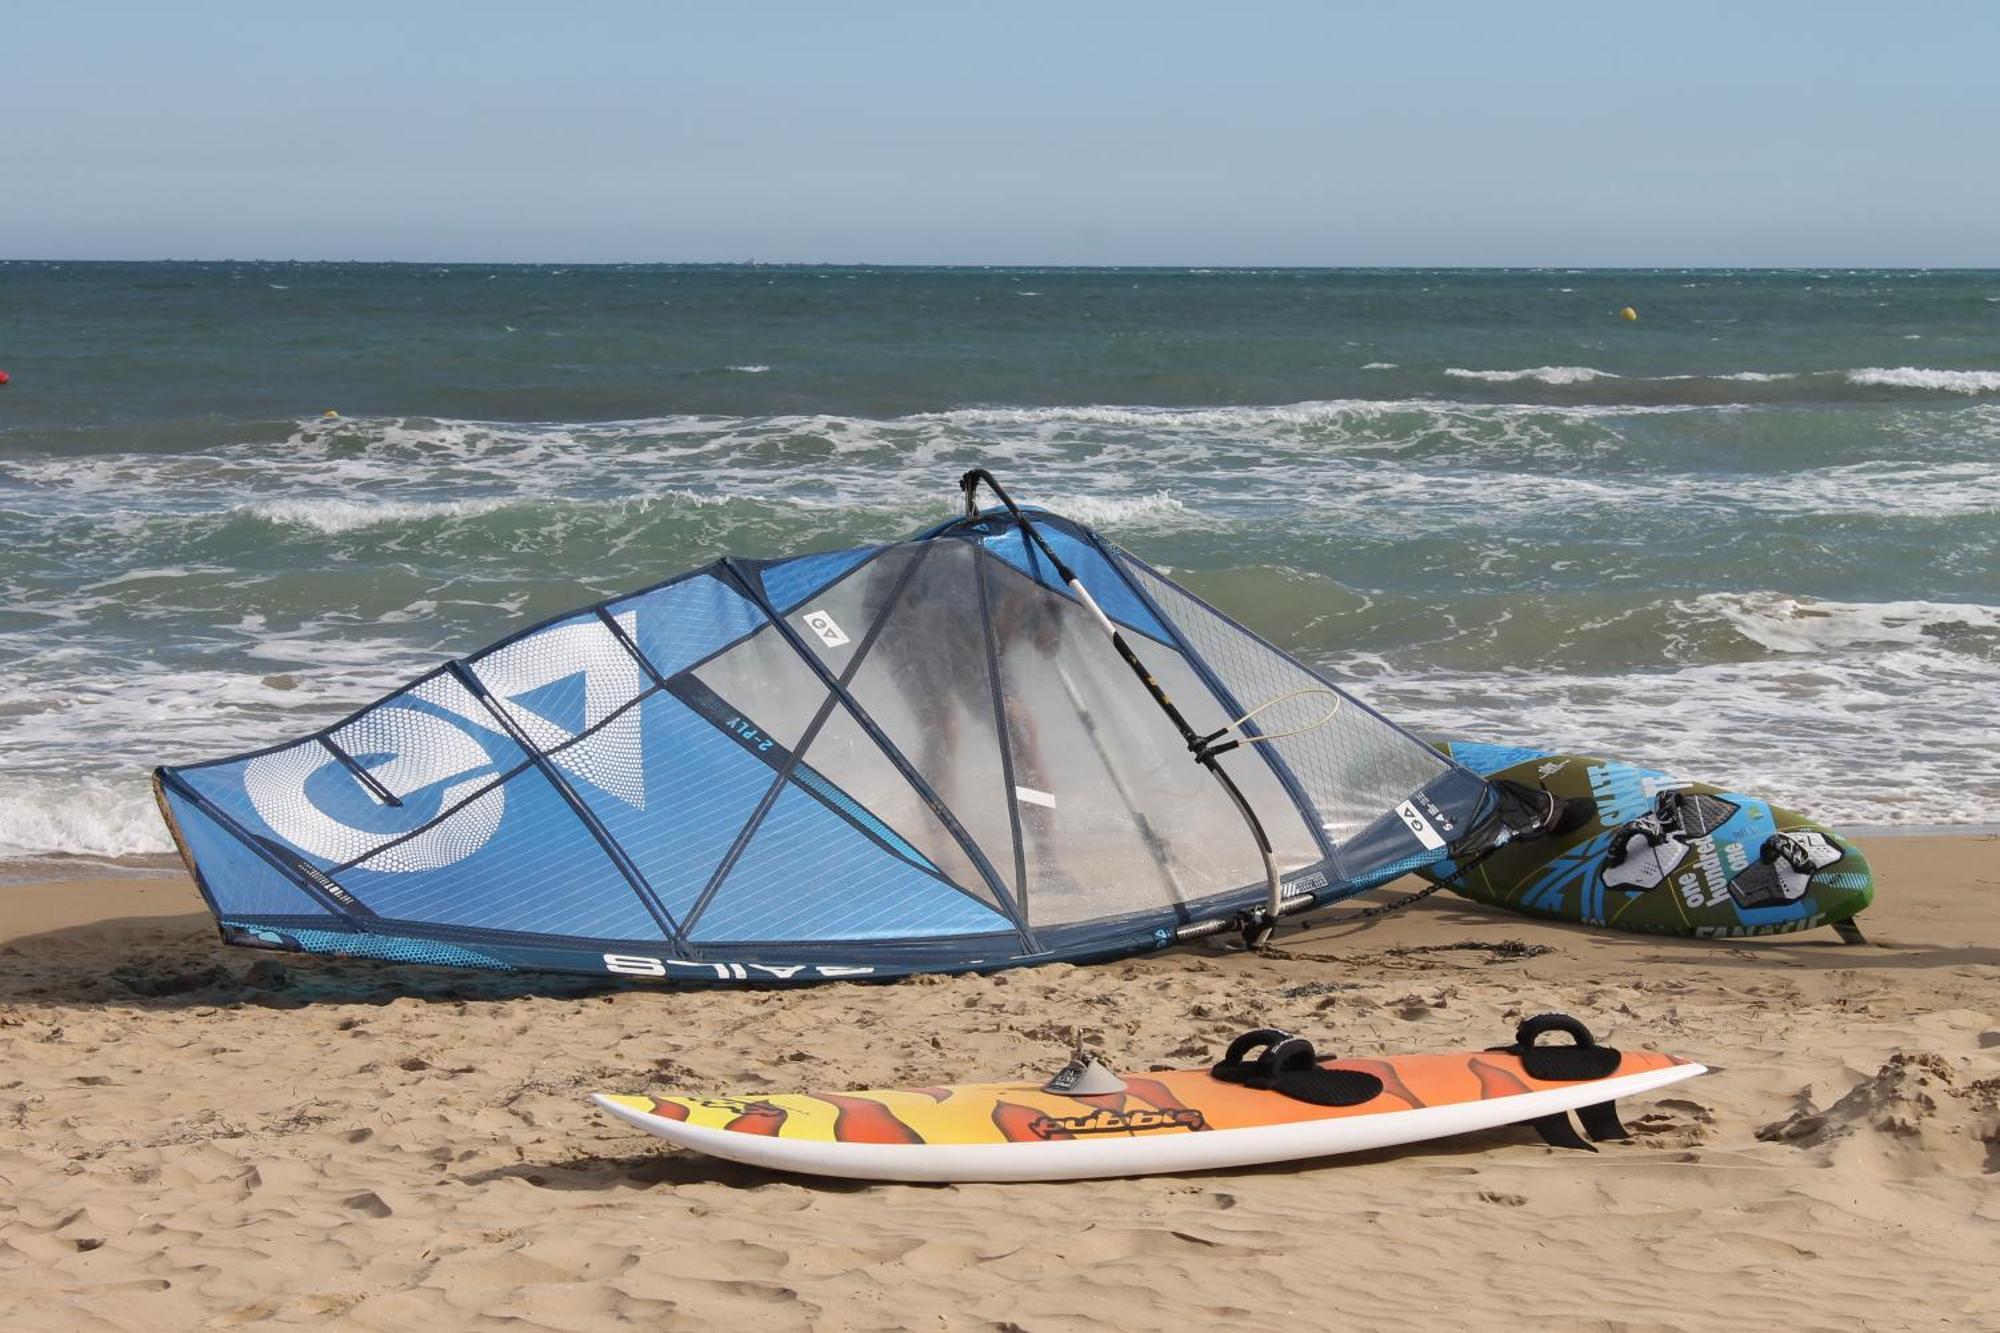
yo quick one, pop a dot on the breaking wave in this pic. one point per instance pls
(1539, 374)
(1920, 377)
(1517, 571)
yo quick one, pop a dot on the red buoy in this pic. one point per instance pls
(3, 377)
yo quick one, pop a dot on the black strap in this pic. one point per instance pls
(1561, 1064)
(1236, 1066)
(1622, 838)
(1290, 1067)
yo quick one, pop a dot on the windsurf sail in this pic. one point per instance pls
(929, 755)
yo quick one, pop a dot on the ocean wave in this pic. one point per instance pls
(1921, 377)
(1539, 374)
(1248, 419)
(1411, 462)
(752, 369)
(1842, 737)
(334, 516)
(80, 816)
(1789, 624)
(1154, 509)
(1851, 710)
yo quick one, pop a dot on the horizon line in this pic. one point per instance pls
(1025, 265)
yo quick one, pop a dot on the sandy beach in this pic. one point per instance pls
(194, 1137)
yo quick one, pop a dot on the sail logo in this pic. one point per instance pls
(1420, 827)
(643, 965)
(823, 624)
(565, 691)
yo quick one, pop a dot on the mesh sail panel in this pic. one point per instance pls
(925, 684)
(1115, 816)
(769, 684)
(1354, 769)
(845, 756)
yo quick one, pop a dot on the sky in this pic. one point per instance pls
(1008, 133)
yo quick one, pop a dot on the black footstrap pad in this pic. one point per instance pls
(1561, 1064)
(1558, 1132)
(1237, 1066)
(1328, 1087)
(1601, 1122)
(1289, 1066)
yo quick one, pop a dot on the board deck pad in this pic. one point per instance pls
(1174, 1120)
(1706, 880)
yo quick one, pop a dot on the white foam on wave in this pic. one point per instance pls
(1540, 374)
(1790, 624)
(1248, 420)
(1154, 509)
(1389, 493)
(1922, 377)
(81, 737)
(79, 816)
(752, 369)
(1841, 736)
(335, 516)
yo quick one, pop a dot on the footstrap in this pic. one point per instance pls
(1288, 1065)
(1561, 1064)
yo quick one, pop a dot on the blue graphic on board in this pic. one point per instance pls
(1662, 854)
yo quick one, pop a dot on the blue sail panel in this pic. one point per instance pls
(808, 874)
(383, 775)
(1106, 584)
(791, 582)
(516, 858)
(699, 788)
(683, 622)
(239, 881)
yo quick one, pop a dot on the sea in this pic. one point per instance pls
(1750, 536)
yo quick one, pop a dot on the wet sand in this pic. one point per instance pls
(195, 1137)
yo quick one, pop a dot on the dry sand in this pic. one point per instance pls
(389, 1148)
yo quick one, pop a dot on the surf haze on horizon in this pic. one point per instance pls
(1749, 536)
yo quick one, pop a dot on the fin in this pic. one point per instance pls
(1600, 1121)
(1558, 1132)
(1084, 1076)
(1849, 931)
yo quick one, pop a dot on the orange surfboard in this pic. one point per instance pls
(1177, 1120)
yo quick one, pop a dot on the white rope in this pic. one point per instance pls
(1315, 725)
